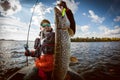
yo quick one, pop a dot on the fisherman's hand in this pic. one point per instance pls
(27, 53)
(26, 46)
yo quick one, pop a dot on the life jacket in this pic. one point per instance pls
(47, 43)
(46, 47)
(45, 62)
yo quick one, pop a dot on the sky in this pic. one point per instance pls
(94, 18)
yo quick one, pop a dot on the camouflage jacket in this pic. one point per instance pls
(45, 44)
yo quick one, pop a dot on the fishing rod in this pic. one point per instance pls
(29, 29)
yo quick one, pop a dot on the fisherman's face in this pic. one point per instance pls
(46, 27)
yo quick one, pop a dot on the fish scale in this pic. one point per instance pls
(62, 47)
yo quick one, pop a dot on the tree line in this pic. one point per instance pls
(94, 39)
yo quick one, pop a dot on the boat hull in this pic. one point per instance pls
(19, 75)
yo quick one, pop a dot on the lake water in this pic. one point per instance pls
(97, 60)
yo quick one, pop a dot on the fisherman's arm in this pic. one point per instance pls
(69, 14)
(36, 52)
(71, 19)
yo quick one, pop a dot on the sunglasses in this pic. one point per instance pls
(44, 25)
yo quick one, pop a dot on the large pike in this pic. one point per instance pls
(62, 46)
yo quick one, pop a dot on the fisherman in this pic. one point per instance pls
(44, 50)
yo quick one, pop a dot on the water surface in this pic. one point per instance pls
(97, 60)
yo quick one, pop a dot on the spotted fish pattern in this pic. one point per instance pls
(62, 46)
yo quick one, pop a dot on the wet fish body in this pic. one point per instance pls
(62, 46)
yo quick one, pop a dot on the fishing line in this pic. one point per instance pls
(29, 28)
(31, 21)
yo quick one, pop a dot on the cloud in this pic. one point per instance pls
(11, 28)
(72, 5)
(86, 34)
(40, 11)
(116, 30)
(95, 18)
(5, 5)
(103, 28)
(9, 7)
(11, 21)
(117, 19)
(84, 14)
(116, 27)
(82, 31)
(106, 32)
(90, 34)
(103, 31)
(85, 28)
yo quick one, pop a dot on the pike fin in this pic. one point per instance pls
(70, 31)
(73, 59)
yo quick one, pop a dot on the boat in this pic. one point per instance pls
(19, 75)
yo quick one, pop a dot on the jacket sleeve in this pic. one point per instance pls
(37, 46)
(36, 52)
(36, 43)
(29, 53)
(71, 19)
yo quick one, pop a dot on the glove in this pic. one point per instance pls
(27, 52)
(26, 46)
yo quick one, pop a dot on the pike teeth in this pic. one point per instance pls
(58, 8)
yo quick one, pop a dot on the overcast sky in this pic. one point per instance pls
(94, 18)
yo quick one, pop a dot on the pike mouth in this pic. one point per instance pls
(58, 10)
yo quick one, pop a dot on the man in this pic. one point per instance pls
(44, 51)
(44, 48)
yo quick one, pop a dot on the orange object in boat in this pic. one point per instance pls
(45, 62)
